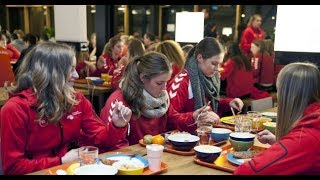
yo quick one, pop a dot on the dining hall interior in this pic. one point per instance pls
(158, 89)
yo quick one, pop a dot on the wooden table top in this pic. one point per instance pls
(177, 164)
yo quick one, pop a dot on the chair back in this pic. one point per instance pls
(6, 72)
(261, 104)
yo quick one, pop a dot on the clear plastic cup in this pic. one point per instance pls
(88, 155)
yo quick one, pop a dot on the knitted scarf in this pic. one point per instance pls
(203, 86)
(155, 107)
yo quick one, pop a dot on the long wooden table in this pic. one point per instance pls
(177, 164)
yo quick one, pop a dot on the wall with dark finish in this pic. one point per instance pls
(104, 25)
(282, 57)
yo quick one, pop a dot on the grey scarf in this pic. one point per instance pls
(203, 86)
(155, 107)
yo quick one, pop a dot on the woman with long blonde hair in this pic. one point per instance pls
(174, 54)
(296, 142)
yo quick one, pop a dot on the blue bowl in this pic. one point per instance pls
(220, 134)
(183, 142)
(97, 81)
(242, 136)
(207, 153)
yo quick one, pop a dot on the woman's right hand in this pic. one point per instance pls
(121, 115)
(266, 136)
(101, 63)
(70, 156)
(204, 114)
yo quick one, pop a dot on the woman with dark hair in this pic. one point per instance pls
(199, 82)
(45, 114)
(143, 91)
(237, 71)
(295, 145)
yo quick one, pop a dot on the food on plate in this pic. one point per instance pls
(107, 161)
(246, 154)
(147, 139)
(128, 164)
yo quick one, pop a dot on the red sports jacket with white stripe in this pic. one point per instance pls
(181, 96)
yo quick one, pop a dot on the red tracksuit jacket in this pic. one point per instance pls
(239, 81)
(263, 69)
(143, 126)
(26, 146)
(181, 96)
(295, 153)
(248, 35)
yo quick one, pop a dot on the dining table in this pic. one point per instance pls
(176, 164)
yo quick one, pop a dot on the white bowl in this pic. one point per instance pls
(183, 138)
(96, 169)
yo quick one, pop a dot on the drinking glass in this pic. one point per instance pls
(255, 117)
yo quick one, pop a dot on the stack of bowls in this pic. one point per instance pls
(241, 141)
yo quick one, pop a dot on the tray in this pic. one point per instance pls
(88, 81)
(222, 162)
(146, 171)
(168, 148)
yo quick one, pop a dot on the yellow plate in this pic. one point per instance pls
(228, 120)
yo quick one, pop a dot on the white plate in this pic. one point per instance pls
(96, 169)
(271, 114)
(236, 160)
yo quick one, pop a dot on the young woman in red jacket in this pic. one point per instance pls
(199, 82)
(45, 114)
(262, 65)
(141, 105)
(238, 72)
(295, 146)
(251, 33)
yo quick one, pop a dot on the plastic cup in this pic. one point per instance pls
(154, 153)
(88, 155)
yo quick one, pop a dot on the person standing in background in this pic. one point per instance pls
(251, 33)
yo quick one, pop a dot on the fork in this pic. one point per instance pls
(199, 116)
(124, 119)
